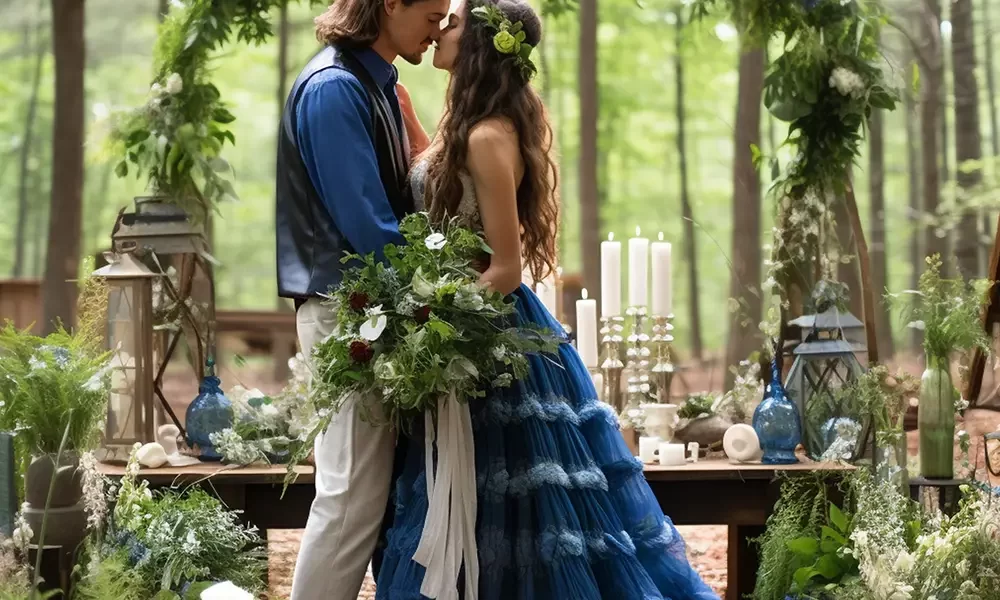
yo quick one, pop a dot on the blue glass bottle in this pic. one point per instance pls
(776, 422)
(211, 412)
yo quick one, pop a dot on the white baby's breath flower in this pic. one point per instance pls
(435, 241)
(175, 84)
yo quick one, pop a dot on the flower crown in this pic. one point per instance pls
(509, 38)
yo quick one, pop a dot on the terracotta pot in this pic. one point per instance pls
(68, 484)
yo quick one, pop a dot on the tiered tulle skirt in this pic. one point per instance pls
(564, 510)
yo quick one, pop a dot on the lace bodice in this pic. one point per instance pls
(468, 207)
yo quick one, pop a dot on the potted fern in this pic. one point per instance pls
(948, 311)
(51, 388)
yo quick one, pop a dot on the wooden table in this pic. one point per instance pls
(710, 492)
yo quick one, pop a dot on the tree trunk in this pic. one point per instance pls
(590, 216)
(968, 143)
(38, 225)
(991, 95)
(880, 269)
(930, 115)
(848, 272)
(746, 247)
(63, 257)
(690, 247)
(281, 344)
(913, 192)
(26, 147)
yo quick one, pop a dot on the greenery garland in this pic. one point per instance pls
(825, 84)
(175, 139)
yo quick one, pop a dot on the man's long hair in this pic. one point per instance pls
(486, 83)
(350, 23)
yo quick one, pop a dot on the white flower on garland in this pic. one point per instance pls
(175, 84)
(156, 90)
(470, 297)
(847, 82)
(372, 329)
(435, 241)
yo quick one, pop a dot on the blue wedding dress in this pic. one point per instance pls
(564, 511)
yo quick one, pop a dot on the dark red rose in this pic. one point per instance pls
(422, 314)
(358, 301)
(361, 352)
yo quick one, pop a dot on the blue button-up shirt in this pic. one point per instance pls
(335, 139)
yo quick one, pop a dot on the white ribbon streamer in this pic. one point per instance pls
(449, 535)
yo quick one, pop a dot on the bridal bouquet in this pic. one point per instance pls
(418, 326)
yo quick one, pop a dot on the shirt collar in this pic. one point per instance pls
(384, 74)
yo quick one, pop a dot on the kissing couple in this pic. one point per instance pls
(563, 509)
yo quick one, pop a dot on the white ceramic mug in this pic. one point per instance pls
(648, 446)
(672, 455)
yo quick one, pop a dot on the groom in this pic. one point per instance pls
(341, 187)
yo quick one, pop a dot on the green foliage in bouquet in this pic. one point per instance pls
(948, 311)
(416, 327)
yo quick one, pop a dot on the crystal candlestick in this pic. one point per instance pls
(637, 364)
(663, 368)
(611, 340)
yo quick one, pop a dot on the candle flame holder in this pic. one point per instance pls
(636, 370)
(663, 368)
(611, 340)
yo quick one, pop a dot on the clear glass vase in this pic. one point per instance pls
(890, 463)
(936, 420)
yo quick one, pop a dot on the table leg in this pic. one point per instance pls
(741, 572)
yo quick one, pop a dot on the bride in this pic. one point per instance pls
(564, 511)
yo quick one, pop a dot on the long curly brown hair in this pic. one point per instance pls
(485, 83)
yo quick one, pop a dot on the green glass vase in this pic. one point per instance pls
(936, 420)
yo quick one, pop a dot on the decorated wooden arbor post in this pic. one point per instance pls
(825, 84)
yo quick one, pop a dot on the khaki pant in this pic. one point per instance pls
(353, 474)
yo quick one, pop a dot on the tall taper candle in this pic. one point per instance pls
(586, 330)
(662, 298)
(638, 269)
(546, 292)
(611, 277)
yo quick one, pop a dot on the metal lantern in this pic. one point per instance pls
(130, 340)
(826, 363)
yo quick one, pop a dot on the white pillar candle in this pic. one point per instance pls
(586, 330)
(546, 292)
(672, 454)
(611, 277)
(598, 379)
(638, 269)
(662, 296)
(648, 445)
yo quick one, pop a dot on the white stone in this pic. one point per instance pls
(152, 456)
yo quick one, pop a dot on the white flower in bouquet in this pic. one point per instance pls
(469, 297)
(503, 380)
(372, 329)
(847, 82)
(175, 84)
(500, 353)
(156, 90)
(435, 241)
(422, 287)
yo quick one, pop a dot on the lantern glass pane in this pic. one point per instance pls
(824, 377)
(123, 423)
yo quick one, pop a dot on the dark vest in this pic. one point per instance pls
(309, 244)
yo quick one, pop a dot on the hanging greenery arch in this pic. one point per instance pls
(827, 80)
(175, 138)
